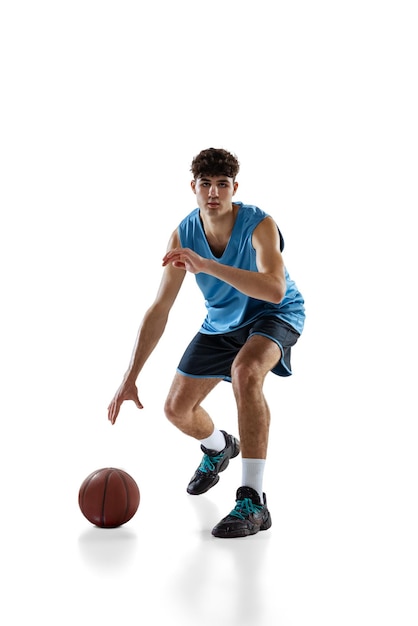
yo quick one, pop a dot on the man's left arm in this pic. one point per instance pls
(269, 283)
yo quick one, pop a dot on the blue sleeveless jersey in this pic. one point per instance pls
(227, 308)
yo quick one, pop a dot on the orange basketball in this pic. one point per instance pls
(109, 497)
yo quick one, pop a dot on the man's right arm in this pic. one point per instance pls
(149, 334)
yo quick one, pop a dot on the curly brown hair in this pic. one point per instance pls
(215, 162)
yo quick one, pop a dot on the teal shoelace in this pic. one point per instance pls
(209, 462)
(244, 508)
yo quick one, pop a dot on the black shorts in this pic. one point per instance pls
(211, 356)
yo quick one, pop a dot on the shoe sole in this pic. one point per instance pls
(199, 493)
(243, 532)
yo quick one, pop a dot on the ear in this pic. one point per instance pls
(193, 186)
(235, 188)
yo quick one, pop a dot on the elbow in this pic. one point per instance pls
(277, 293)
(276, 300)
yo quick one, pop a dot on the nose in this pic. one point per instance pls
(213, 191)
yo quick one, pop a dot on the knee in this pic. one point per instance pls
(244, 377)
(174, 411)
(170, 409)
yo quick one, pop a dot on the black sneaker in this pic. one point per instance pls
(247, 518)
(213, 462)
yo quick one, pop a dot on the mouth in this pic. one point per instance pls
(213, 204)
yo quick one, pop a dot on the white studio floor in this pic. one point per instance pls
(342, 550)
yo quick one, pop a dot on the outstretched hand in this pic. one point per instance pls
(127, 391)
(185, 259)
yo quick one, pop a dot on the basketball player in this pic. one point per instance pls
(255, 315)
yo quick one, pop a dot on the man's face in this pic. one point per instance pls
(214, 193)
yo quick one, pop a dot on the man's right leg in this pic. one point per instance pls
(183, 409)
(183, 405)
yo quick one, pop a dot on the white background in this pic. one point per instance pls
(103, 105)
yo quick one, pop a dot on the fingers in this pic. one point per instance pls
(183, 258)
(113, 411)
(177, 255)
(179, 264)
(114, 407)
(172, 256)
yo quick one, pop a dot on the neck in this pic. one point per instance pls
(219, 224)
(218, 229)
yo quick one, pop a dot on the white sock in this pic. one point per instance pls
(216, 441)
(252, 475)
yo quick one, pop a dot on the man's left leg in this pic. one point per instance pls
(184, 409)
(253, 362)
